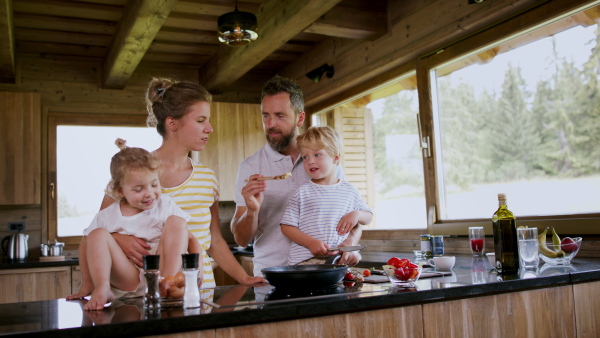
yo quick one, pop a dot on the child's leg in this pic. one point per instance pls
(193, 245)
(173, 243)
(108, 266)
(87, 286)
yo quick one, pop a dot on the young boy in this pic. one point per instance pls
(321, 213)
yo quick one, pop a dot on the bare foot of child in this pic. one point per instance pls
(98, 299)
(84, 290)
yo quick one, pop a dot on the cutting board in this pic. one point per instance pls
(375, 279)
(52, 258)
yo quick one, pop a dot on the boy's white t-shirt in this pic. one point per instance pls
(147, 225)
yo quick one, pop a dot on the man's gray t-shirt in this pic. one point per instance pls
(271, 247)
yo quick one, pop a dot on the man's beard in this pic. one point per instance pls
(278, 144)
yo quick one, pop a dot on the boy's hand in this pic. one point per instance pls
(318, 248)
(347, 223)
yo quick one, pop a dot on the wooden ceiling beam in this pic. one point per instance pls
(71, 9)
(278, 22)
(139, 24)
(7, 43)
(351, 23)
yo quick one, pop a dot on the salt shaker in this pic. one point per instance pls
(152, 275)
(191, 295)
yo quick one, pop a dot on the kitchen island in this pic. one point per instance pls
(557, 301)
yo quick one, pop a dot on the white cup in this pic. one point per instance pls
(444, 263)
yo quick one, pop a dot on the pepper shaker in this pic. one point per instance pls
(152, 275)
(191, 295)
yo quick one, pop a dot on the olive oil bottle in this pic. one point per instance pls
(505, 239)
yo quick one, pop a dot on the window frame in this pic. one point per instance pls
(49, 160)
(503, 32)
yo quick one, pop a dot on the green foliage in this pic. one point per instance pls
(514, 134)
(66, 209)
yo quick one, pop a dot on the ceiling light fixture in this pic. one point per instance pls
(316, 74)
(237, 28)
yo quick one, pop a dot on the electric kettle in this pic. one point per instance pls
(15, 247)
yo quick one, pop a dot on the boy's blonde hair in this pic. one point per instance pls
(317, 138)
(126, 160)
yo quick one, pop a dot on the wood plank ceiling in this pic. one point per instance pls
(123, 34)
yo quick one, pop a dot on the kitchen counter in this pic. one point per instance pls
(471, 277)
(37, 264)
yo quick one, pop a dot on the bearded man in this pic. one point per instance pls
(260, 204)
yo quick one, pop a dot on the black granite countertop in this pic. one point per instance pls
(4, 264)
(252, 305)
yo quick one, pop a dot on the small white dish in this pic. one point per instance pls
(492, 258)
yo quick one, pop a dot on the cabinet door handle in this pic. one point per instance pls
(52, 190)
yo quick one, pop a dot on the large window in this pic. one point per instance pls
(79, 161)
(523, 118)
(514, 109)
(399, 185)
(527, 124)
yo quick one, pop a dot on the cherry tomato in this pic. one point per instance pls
(366, 273)
(394, 261)
(414, 273)
(404, 262)
(402, 273)
(349, 276)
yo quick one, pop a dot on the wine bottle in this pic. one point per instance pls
(505, 238)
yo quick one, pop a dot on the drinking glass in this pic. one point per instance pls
(528, 248)
(477, 241)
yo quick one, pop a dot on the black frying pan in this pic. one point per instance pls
(306, 276)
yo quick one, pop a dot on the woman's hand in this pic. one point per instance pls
(252, 280)
(133, 247)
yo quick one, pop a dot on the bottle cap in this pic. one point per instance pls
(151, 262)
(190, 261)
(501, 197)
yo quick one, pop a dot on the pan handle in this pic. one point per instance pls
(333, 259)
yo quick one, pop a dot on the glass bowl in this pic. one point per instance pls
(570, 251)
(405, 277)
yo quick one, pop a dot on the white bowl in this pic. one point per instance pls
(492, 258)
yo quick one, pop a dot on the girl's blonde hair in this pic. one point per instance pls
(317, 138)
(126, 160)
(171, 98)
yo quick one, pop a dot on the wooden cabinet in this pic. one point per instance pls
(20, 148)
(238, 133)
(587, 308)
(221, 278)
(535, 313)
(27, 285)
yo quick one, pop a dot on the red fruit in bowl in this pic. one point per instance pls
(568, 245)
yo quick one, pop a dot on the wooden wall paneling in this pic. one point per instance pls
(534, 313)
(231, 146)
(27, 285)
(254, 135)
(587, 308)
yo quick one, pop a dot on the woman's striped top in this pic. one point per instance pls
(195, 196)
